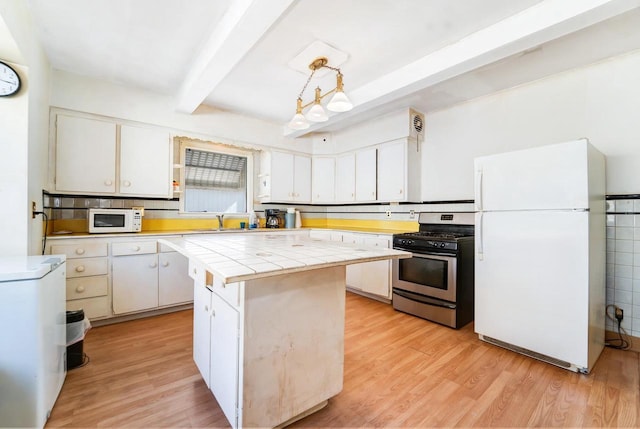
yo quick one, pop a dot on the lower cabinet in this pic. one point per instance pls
(372, 278)
(135, 283)
(112, 276)
(202, 326)
(216, 342)
(224, 356)
(174, 285)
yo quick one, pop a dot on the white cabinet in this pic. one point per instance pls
(216, 339)
(370, 277)
(145, 162)
(174, 286)
(135, 283)
(366, 175)
(323, 180)
(399, 171)
(87, 277)
(85, 155)
(285, 177)
(346, 178)
(201, 323)
(144, 279)
(224, 357)
(91, 159)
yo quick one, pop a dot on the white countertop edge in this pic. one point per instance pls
(178, 245)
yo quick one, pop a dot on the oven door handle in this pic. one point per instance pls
(423, 299)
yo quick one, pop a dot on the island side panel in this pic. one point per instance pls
(293, 344)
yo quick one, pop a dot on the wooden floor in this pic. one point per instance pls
(400, 371)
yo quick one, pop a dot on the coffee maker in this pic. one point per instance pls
(274, 218)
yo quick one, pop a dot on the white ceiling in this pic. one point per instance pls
(426, 54)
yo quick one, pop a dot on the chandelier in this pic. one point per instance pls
(338, 103)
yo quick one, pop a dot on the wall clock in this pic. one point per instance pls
(9, 80)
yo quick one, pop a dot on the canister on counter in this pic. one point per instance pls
(290, 218)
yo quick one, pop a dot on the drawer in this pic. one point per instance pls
(134, 248)
(87, 287)
(378, 242)
(94, 308)
(230, 292)
(84, 250)
(87, 267)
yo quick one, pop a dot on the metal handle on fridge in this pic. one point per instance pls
(478, 237)
(478, 196)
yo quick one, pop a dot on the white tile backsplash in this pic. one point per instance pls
(623, 263)
(624, 220)
(624, 233)
(624, 206)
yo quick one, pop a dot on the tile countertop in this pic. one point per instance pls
(241, 257)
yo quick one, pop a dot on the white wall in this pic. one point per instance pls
(600, 102)
(24, 124)
(74, 92)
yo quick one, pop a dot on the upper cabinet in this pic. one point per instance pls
(285, 177)
(145, 161)
(366, 175)
(324, 179)
(399, 171)
(104, 158)
(346, 178)
(85, 155)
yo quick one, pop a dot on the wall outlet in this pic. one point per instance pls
(33, 210)
(412, 214)
(388, 213)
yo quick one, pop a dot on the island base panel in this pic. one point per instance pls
(293, 345)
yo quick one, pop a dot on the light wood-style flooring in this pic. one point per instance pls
(399, 371)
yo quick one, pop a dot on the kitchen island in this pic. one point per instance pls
(269, 320)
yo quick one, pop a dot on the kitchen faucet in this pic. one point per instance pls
(220, 221)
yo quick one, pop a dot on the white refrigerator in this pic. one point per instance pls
(540, 252)
(33, 338)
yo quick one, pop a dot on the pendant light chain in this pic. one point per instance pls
(306, 84)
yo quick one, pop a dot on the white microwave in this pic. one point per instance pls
(114, 220)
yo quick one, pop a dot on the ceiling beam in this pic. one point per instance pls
(546, 21)
(241, 27)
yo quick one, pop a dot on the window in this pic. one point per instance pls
(215, 180)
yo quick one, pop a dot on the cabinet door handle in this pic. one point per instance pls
(165, 264)
(135, 248)
(80, 251)
(206, 308)
(195, 271)
(153, 265)
(108, 182)
(80, 289)
(80, 268)
(126, 183)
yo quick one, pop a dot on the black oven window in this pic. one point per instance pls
(428, 272)
(110, 220)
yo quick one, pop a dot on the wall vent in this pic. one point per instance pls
(416, 125)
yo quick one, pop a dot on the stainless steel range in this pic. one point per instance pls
(436, 283)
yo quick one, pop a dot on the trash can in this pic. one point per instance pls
(75, 338)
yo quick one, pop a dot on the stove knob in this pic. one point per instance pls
(442, 245)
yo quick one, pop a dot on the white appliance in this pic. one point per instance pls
(540, 252)
(32, 338)
(114, 220)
